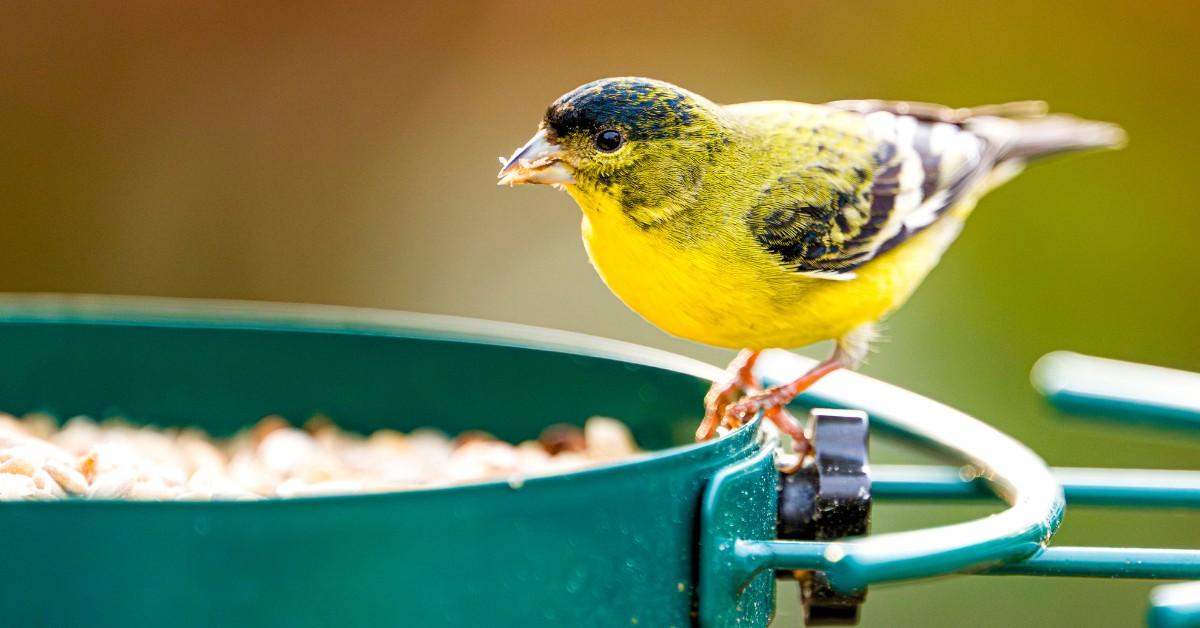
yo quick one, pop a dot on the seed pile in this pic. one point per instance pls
(117, 460)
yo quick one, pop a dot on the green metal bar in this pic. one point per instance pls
(1014, 472)
(1174, 606)
(1090, 487)
(1106, 562)
(926, 482)
(1138, 392)
(1094, 562)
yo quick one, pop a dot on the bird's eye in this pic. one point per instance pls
(609, 140)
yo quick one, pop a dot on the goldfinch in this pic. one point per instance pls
(776, 224)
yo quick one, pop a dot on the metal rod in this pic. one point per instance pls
(1135, 392)
(1106, 562)
(1088, 562)
(1091, 487)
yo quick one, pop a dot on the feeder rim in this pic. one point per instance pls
(250, 314)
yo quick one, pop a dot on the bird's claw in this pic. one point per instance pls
(773, 404)
(716, 404)
(739, 378)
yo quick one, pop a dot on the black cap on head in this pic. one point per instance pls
(644, 108)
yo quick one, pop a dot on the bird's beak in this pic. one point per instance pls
(538, 161)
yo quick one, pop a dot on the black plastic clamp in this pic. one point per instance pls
(828, 498)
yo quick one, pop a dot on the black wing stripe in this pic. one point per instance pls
(883, 199)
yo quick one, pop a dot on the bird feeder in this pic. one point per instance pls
(689, 534)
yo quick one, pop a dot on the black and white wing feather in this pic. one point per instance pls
(842, 209)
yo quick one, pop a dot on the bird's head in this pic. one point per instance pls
(641, 143)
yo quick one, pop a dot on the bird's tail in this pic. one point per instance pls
(1023, 131)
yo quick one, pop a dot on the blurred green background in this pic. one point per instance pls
(346, 154)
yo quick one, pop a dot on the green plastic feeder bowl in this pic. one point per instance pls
(614, 545)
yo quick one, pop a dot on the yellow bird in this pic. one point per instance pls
(776, 224)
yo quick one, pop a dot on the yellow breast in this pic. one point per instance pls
(728, 292)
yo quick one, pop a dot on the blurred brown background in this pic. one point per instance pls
(346, 154)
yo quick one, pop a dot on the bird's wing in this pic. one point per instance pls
(840, 208)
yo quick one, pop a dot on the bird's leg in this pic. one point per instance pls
(739, 378)
(779, 396)
(792, 462)
(850, 352)
(791, 426)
